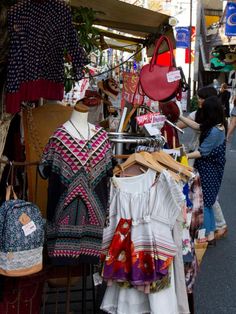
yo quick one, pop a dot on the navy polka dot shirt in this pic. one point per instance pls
(40, 31)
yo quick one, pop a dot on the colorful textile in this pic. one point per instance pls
(196, 197)
(142, 214)
(137, 245)
(193, 193)
(39, 32)
(78, 194)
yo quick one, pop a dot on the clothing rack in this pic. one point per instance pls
(119, 139)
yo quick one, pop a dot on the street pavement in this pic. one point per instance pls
(215, 290)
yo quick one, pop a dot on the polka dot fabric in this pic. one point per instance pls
(211, 169)
(39, 33)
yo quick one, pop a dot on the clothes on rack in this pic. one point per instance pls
(77, 194)
(194, 209)
(138, 246)
(39, 34)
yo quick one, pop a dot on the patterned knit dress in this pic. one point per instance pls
(78, 171)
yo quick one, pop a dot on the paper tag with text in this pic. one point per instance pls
(29, 228)
(201, 234)
(97, 279)
(173, 76)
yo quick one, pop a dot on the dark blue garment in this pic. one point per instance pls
(211, 169)
(186, 194)
(40, 32)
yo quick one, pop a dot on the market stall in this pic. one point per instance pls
(64, 159)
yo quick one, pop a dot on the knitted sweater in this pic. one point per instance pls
(78, 193)
(39, 32)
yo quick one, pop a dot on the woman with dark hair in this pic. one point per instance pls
(197, 116)
(202, 94)
(210, 157)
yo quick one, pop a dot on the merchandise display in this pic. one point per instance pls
(77, 162)
(102, 207)
(142, 215)
(39, 33)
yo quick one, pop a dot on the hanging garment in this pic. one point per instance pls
(78, 172)
(138, 246)
(194, 201)
(180, 286)
(39, 33)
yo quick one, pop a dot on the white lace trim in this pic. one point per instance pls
(21, 260)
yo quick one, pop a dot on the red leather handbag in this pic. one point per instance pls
(159, 82)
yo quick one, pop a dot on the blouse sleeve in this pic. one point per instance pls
(169, 199)
(214, 139)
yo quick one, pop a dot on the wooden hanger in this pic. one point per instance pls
(136, 158)
(168, 157)
(172, 164)
(144, 159)
(149, 158)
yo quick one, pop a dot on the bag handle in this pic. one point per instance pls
(10, 191)
(157, 47)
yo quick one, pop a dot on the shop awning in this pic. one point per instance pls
(124, 17)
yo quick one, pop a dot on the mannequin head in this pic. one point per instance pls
(80, 107)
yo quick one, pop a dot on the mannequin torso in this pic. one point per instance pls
(78, 125)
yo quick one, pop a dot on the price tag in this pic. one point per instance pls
(29, 228)
(97, 279)
(152, 128)
(173, 76)
(201, 234)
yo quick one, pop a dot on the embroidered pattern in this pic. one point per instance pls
(79, 216)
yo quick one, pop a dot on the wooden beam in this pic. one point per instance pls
(143, 29)
(118, 36)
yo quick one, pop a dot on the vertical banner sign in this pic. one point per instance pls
(189, 55)
(129, 93)
(182, 37)
(130, 82)
(230, 25)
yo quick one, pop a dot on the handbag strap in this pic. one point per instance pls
(10, 191)
(157, 47)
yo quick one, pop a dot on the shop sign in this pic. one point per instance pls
(182, 37)
(230, 24)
